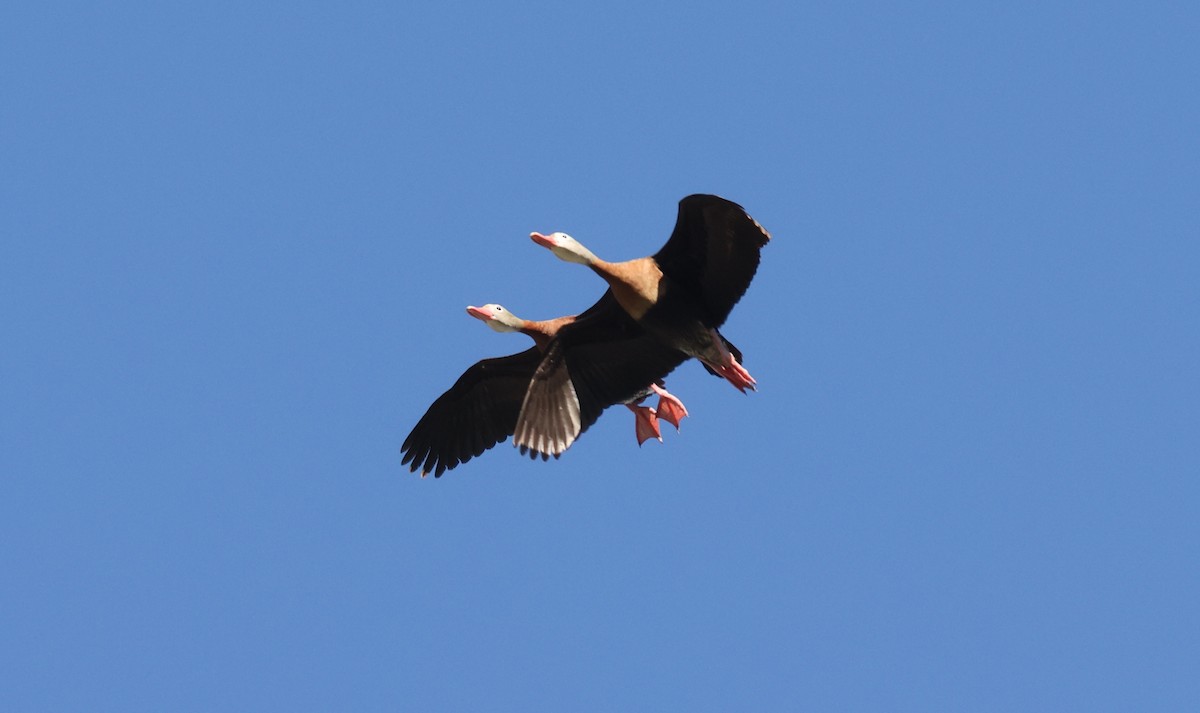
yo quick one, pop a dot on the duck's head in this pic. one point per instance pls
(564, 247)
(496, 317)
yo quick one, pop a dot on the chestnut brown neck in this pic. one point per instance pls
(545, 330)
(635, 283)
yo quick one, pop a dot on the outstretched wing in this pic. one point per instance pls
(478, 412)
(713, 253)
(604, 358)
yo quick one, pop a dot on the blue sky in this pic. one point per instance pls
(238, 241)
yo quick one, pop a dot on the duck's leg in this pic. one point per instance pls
(645, 423)
(670, 408)
(729, 367)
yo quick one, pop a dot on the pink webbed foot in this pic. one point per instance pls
(670, 408)
(737, 375)
(728, 365)
(645, 422)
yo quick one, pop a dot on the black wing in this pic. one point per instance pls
(478, 412)
(604, 358)
(713, 253)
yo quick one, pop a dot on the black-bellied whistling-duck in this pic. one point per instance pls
(612, 358)
(670, 408)
(679, 297)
